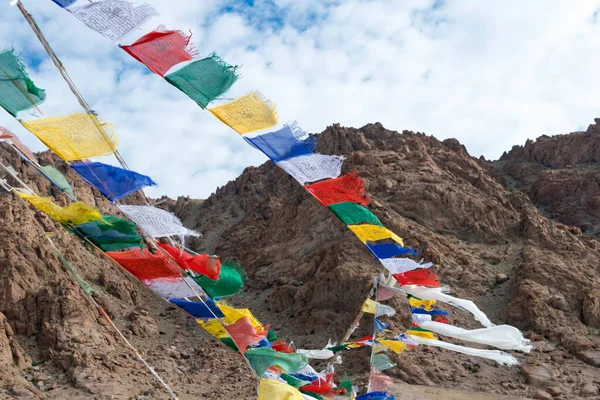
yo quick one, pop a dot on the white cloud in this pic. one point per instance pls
(491, 74)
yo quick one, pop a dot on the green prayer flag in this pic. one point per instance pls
(271, 335)
(354, 214)
(337, 348)
(17, 90)
(111, 233)
(293, 381)
(231, 280)
(263, 358)
(204, 80)
(229, 342)
(58, 179)
(382, 362)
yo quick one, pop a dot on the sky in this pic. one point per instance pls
(491, 74)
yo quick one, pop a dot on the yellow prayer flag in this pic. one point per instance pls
(75, 214)
(369, 306)
(425, 304)
(232, 315)
(274, 390)
(247, 114)
(373, 233)
(75, 137)
(395, 345)
(424, 335)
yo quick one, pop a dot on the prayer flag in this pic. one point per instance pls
(244, 333)
(113, 18)
(113, 182)
(290, 141)
(379, 381)
(230, 281)
(57, 178)
(161, 49)
(204, 80)
(156, 222)
(420, 277)
(248, 113)
(74, 214)
(382, 362)
(75, 137)
(232, 315)
(263, 358)
(376, 396)
(373, 233)
(202, 264)
(373, 307)
(312, 167)
(345, 188)
(271, 389)
(17, 90)
(175, 287)
(203, 310)
(395, 345)
(64, 3)
(110, 234)
(145, 265)
(354, 214)
(424, 304)
(389, 250)
(401, 265)
(5, 134)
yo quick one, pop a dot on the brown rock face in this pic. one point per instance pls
(561, 175)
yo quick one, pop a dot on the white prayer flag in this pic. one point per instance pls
(312, 167)
(156, 222)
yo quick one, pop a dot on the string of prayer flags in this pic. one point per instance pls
(264, 358)
(74, 214)
(5, 134)
(376, 396)
(402, 265)
(271, 389)
(354, 214)
(64, 3)
(419, 277)
(75, 137)
(113, 182)
(199, 309)
(345, 188)
(204, 80)
(373, 233)
(17, 90)
(156, 222)
(161, 49)
(144, 265)
(113, 18)
(201, 264)
(244, 333)
(230, 281)
(495, 355)
(312, 167)
(58, 179)
(174, 287)
(290, 141)
(389, 250)
(246, 114)
(110, 234)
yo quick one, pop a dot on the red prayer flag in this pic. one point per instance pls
(324, 386)
(282, 347)
(421, 277)
(8, 135)
(244, 334)
(345, 188)
(161, 49)
(201, 264)
(145, 265)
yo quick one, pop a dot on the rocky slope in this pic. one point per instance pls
(308, 276)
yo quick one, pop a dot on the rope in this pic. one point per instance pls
(373, 339)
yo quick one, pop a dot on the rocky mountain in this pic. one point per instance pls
(308, 274)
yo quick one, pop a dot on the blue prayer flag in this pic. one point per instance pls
(390, 250)
(376, 396)
(64, 3)
(380, 326)
(416, 310)
(290, 141)
(199, 309)
(113, 182)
